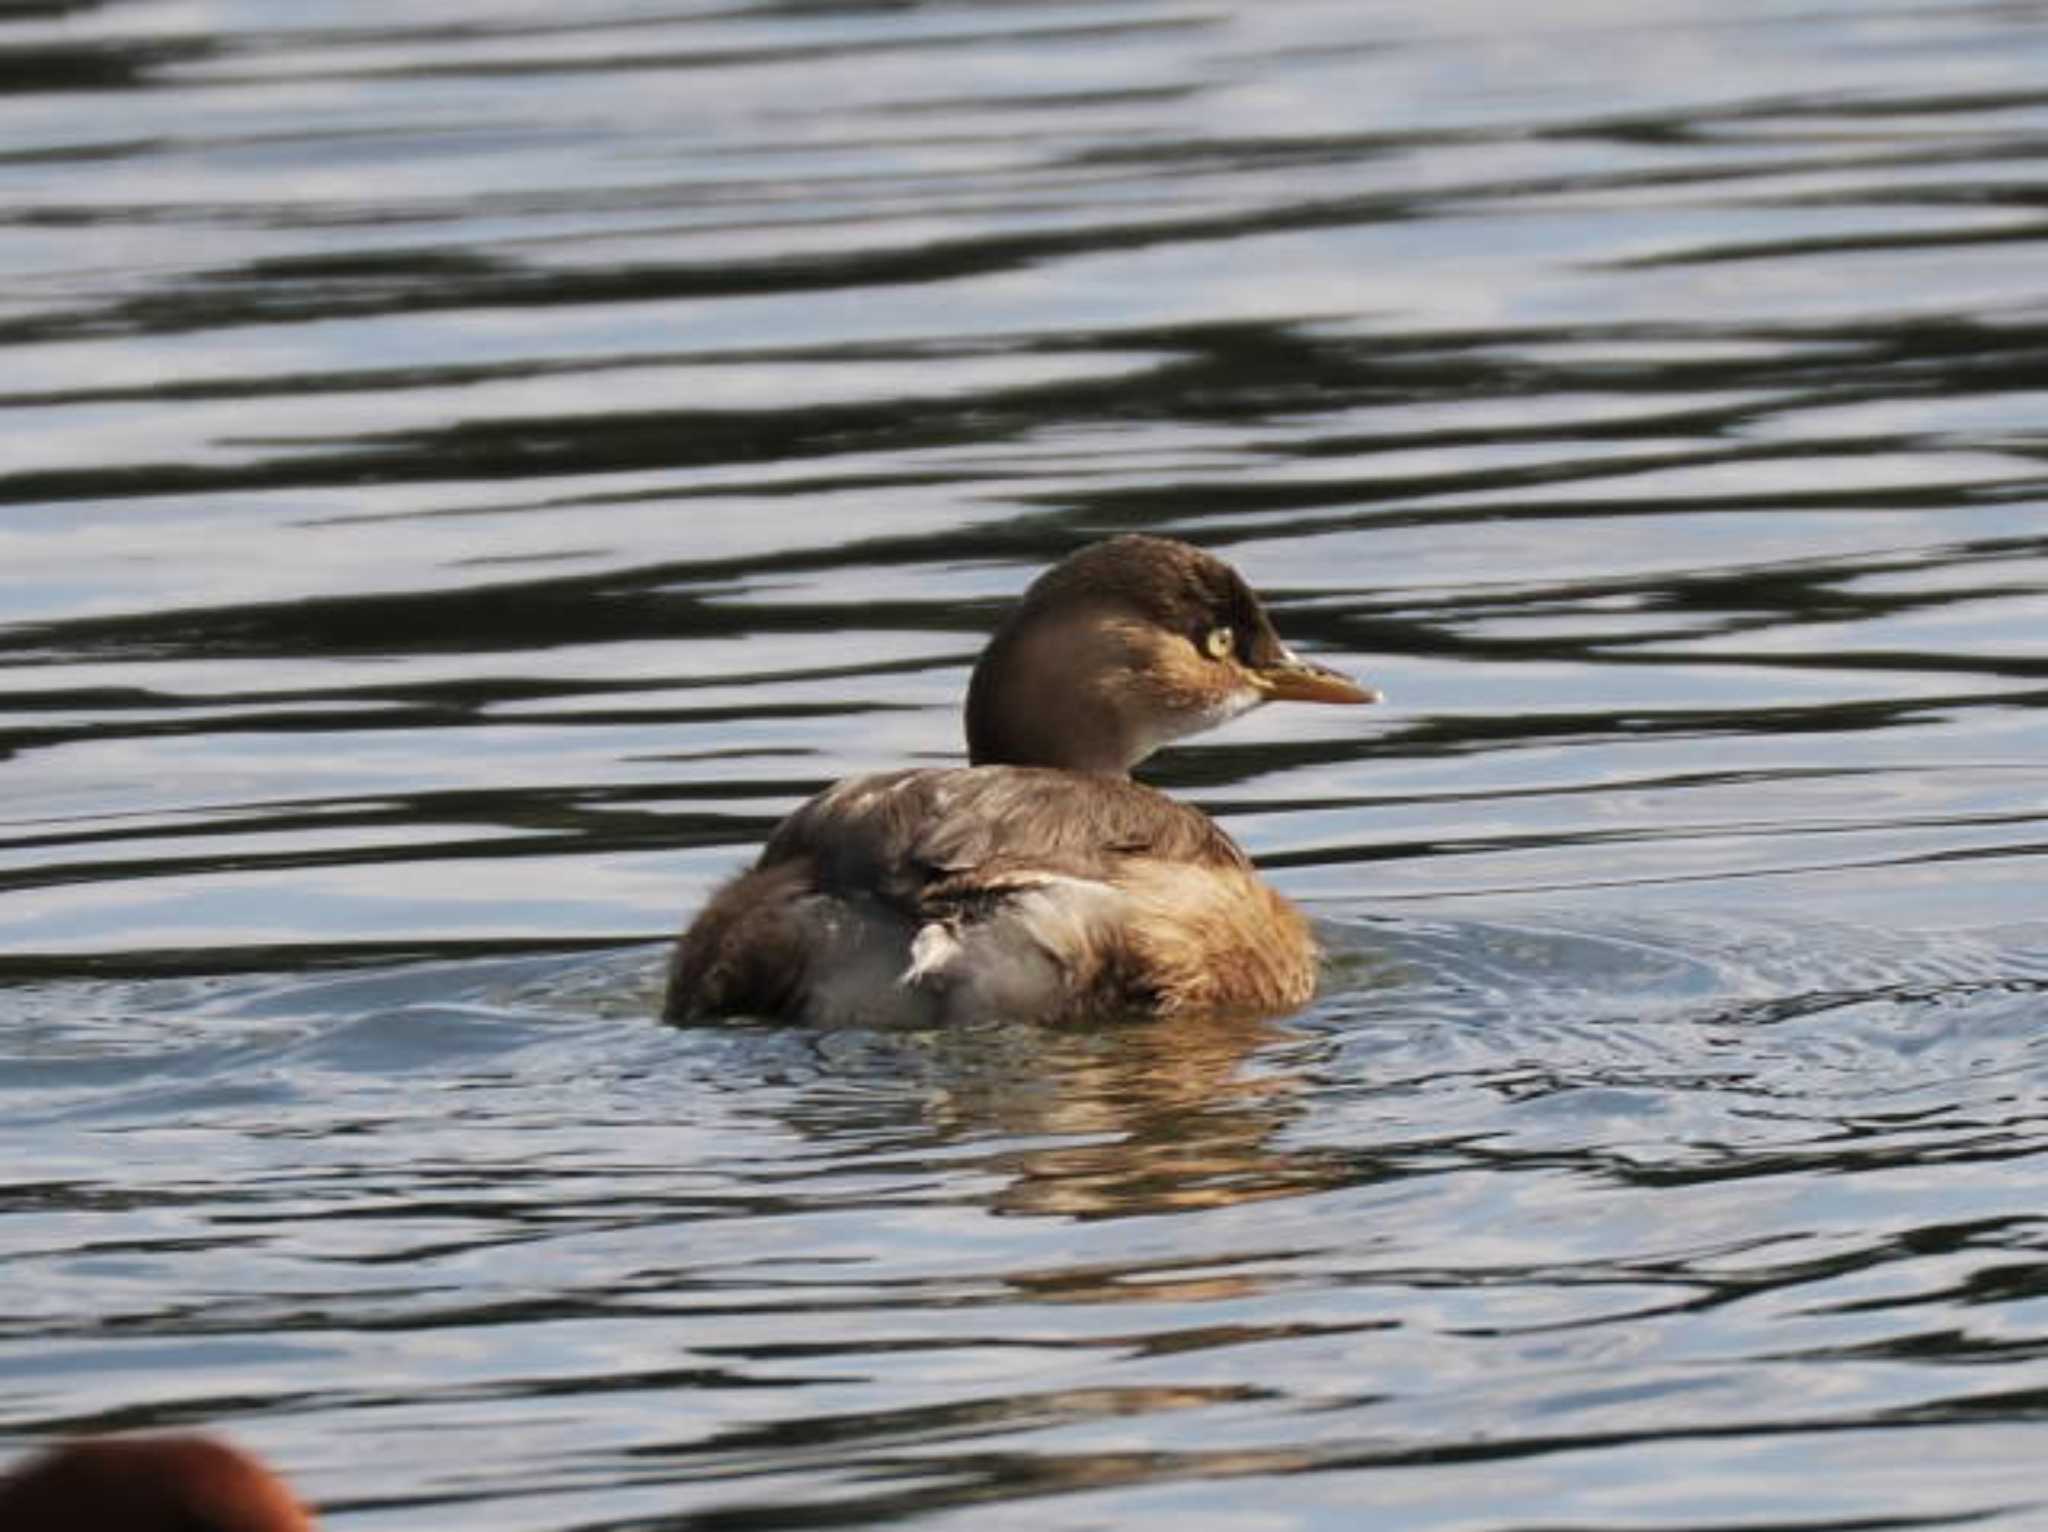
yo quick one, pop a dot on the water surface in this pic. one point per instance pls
(472, 469)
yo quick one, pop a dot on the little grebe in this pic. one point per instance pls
(1039, 881)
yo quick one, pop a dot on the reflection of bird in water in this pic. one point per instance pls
(148, 1484)
(1038, 881)
(1115, 1122)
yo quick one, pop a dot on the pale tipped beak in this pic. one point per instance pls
(1295, 679)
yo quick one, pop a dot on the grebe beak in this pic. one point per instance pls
(1294, 679)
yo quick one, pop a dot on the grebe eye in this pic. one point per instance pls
(1218, 642)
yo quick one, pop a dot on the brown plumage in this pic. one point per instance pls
(1039, 881)
(148, 1484)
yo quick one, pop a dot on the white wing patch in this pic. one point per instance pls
(935, 945)
(1048, 931)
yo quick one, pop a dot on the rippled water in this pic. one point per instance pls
(471, 468)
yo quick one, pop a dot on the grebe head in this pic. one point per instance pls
(1124, 646)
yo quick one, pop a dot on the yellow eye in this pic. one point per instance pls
(1218, 642)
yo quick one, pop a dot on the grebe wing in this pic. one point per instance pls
(906, 835)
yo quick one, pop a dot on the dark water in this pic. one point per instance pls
(470, 468)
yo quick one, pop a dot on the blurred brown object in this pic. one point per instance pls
(148, 1484)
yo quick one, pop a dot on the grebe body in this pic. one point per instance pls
(1039, 881)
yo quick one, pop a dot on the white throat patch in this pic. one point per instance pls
(1166, 729)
